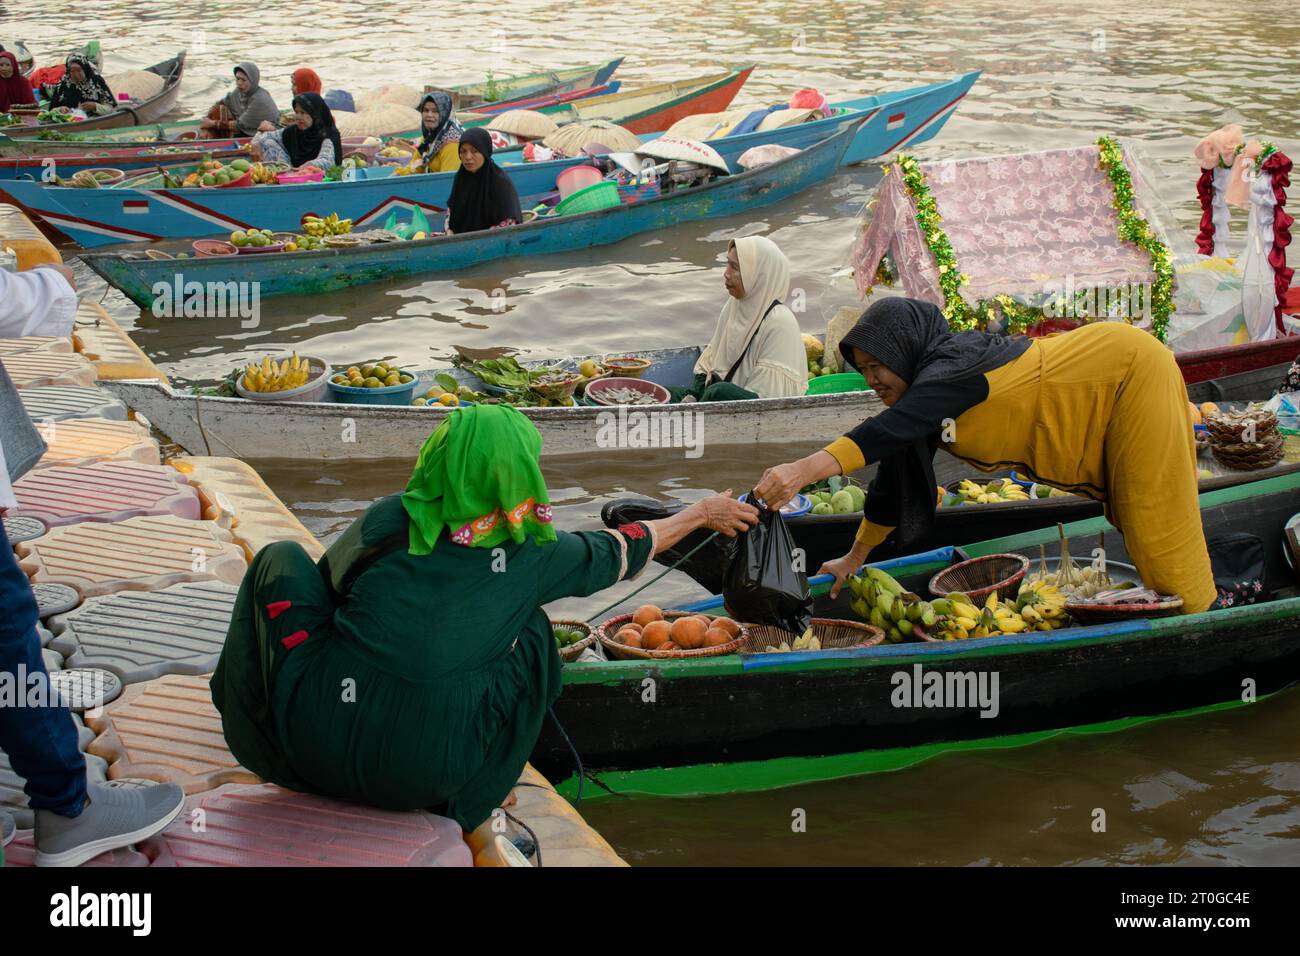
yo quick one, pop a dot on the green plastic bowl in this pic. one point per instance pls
(838, 382)
(600, 196)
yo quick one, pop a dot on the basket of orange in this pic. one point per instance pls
(654, 634)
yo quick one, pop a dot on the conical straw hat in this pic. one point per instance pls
(527, 123)
(398, 93)
(137, 84)
(388, 118)
(685, 150)
(570, 139)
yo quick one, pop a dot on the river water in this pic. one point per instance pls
(1221, 788)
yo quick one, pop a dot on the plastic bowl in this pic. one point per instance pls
(794, 508)
(625, 366)
(577, 178)
(386, 395)
(313, 175)
(598, 386)
(217, 248)
(313, 391)
(837, 382)
(603, 195)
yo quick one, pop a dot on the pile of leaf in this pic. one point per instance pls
(508, 374)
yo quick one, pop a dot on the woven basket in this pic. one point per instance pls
(833, 635)
(1250, 456)
(574, 651)
(1105, 613)
(980, 577)
(1226, 428)
(606, 631)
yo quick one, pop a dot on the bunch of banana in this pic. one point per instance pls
(1041, 605)
(881, 601)
(262, 174)
(276, 376)
(960, 618)
(331, 225)
(805, 643)
(1000, 489)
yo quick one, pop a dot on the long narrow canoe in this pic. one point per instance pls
(311, 430)
(132, 159)
(96, 217)
(147, 111)
(652, 109)
(283, 273)
(513, 92)
(740, 723)
(824, 537)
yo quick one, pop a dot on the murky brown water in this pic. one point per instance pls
(1221, 788)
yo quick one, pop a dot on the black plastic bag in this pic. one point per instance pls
(1237, 560)
(762, 584)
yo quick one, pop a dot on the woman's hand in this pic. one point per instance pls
(724, 514)
(842, 568)
(780, 484)
(89, 107)
(266, 126)
(208, 124)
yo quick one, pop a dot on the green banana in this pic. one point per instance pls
(904, 627)
(886, 603)
(886, 582)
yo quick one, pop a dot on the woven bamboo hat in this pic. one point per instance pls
(571, 138)
(529, 124)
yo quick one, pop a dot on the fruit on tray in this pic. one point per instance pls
(1038, 606)
(649, 630)
(253, 237)
(998, 490)
(331, 225)
(271, 376)
(379, 375)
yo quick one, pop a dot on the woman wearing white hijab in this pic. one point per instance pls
(757, 349)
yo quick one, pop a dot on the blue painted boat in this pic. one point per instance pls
(97, 217)
(139, 275)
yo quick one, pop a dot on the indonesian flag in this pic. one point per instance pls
(896, 121)
(135, 207)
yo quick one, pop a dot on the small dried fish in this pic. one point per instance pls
(628, 396)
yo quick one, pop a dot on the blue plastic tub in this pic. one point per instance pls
(388, 395)
(796, 506)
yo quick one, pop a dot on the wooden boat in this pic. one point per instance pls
(327, 270)
(824, 537)
(311, 430)
(147, 111)
(652, 109)
(757, 722)
(527, 91)
(95, 217)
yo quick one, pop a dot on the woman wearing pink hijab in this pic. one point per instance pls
(14, 89)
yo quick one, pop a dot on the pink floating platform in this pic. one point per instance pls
(104, 491)
(265, 825)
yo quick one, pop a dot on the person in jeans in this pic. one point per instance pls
(75, 820)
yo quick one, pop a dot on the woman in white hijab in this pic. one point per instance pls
(757, 349)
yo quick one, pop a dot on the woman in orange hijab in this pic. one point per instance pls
(304, 80)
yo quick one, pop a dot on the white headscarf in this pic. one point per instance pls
(765, 274)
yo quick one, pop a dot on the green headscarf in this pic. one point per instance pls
(478, 477)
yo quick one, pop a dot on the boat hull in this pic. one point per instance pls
(325, 431)
(332, 269)
(717, 725)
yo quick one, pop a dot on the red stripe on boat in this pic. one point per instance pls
(294, 639)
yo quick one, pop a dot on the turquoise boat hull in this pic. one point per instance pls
(140, 277)
(99, 217)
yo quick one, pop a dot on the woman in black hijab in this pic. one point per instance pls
(312, 140)
(81, 88)
(482, 195)
(1100, 411)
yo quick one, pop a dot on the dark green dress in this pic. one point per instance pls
(399, 681)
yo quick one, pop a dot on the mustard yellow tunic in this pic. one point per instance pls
(1100, 411)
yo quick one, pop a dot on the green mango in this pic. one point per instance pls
(822, 508)
(842, 503)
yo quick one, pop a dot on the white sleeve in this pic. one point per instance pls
(36, 302)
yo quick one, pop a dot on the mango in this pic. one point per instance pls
(841, 502)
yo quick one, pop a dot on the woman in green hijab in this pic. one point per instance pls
(413, 665)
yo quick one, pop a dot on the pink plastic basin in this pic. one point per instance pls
(575, 178)
(313, 174)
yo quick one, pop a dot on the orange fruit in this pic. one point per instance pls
(1208, 409)
(1197, 418)
(646, 614)
(628, 637)
(728, 625)
(632, 626)
(688, 632)
(715, 636)
(667, 646)
(654, 634)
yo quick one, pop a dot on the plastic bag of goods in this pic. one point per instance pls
(762, 585)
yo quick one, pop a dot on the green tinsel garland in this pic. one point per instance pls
(1135, 229)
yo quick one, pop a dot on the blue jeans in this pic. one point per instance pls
(41, 741)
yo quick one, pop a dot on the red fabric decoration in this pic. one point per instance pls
(635, 532)
(294, 639)
(276, 608)
(1205, 192)
(1280, 166)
